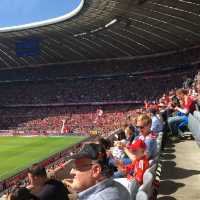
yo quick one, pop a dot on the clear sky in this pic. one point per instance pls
(19, 12)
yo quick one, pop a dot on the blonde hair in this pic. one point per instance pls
(146, 119)
(181, 92)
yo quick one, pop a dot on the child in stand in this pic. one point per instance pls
(137, 168)
(134, 171)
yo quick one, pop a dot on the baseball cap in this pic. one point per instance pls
(97, 153)
(92, 151)
(138, 144)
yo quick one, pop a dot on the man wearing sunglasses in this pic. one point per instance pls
(91, 176)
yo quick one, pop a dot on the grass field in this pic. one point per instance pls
(18, 153)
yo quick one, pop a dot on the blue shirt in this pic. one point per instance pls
(105, 190)
(157, 125)
(151, 143)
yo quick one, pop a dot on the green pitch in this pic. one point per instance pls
(18, 153)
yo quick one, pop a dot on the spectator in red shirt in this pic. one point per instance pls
(141, 163)
(187, 105)
(136, 169)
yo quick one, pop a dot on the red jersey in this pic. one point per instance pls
(189, 104)
(146, 105)
(138, 167)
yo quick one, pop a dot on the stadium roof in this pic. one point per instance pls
(106, 29)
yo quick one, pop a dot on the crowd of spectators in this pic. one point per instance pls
(96, 164)
(67, 120)
(126, 159)
(177, 105)
(89, 90)
(76, 91)
(91, 69)
(135, 140)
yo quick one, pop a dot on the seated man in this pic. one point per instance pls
(92, 176)
(46, 189)
(185, 107)
(144, 126)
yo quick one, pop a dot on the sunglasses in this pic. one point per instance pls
(140, 127)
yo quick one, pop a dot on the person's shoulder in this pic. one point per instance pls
(47, 191)
(54, 185)
(154, 117)
(115, 192)
(52, 189)
(53, 182)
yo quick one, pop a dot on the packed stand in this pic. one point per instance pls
(81, 120)
(126, 167)
(88, 90)
(96, 164)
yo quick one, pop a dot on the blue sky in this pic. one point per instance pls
(19, 12)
